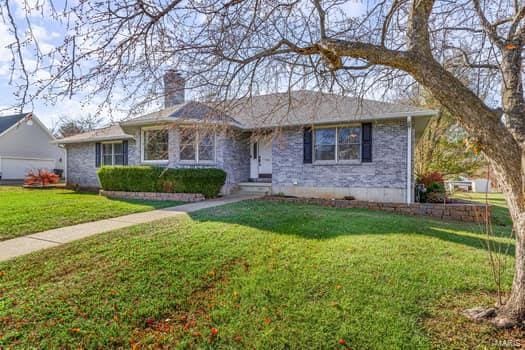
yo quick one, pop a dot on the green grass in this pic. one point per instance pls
(25, 211)
(265, 275)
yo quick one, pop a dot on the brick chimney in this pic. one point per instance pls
(174, 85)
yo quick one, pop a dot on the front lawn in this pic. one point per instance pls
(260, 275)
(25, 211)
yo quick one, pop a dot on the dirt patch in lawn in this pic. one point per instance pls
(191, 322)
(449, 328)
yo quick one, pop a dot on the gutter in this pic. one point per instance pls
(420, 114)
(65, 165)
(177, 121)
(409, 160)
(368, 118)
(93, 139)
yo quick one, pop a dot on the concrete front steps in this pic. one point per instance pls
(255, 188)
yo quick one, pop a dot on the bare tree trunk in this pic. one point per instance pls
(507, 157)
(513, 311)
(509, 176)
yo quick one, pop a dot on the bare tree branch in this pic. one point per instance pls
(488, 27)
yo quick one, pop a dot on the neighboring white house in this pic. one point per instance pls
(25, 144)
(469, 185)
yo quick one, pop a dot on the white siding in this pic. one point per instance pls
(27, 146)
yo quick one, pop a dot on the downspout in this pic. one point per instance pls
(409, 161)
(65, 164)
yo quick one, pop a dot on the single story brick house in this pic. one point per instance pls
(302, 143)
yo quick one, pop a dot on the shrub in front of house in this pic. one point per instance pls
(207, 181)
(40, 177)
(433, 190)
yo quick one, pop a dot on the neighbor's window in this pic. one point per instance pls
(156, 145)
(197, 146)
(337, 144)
(112, 154)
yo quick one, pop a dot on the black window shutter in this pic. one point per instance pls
(307, 146)
(97, 154)
(366, 143)
(125, 152)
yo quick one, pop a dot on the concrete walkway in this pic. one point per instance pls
(47, 239)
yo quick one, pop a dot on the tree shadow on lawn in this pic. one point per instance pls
(152, 203)
(155, 204)
(320, 223)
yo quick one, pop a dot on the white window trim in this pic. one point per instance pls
(142, 144)
(196, 147)
(337, 160)
(112, 143)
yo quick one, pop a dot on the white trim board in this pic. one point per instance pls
(27, 158)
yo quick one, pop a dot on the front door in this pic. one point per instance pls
(261, 159)
(265, 158)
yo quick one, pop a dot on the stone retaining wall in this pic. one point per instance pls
(467, 211)
(154, 196)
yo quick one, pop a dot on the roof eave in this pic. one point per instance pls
(179, 121)
(398, 115)
(145, 122)
(93, 139)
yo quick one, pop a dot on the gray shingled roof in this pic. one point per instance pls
(265, 111)
(309, 107)
(8, 121)
(112, 132)
(283, 109)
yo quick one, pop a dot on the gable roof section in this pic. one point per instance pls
(110, 133)
(188, 112)
(7, 121)
(13, 121)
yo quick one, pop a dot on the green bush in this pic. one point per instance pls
(207, 181)
(433, 190)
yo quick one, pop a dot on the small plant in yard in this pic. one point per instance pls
(431, 188)
(430, 178)
(40, 177)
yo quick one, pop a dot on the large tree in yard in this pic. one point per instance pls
(467, 54)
